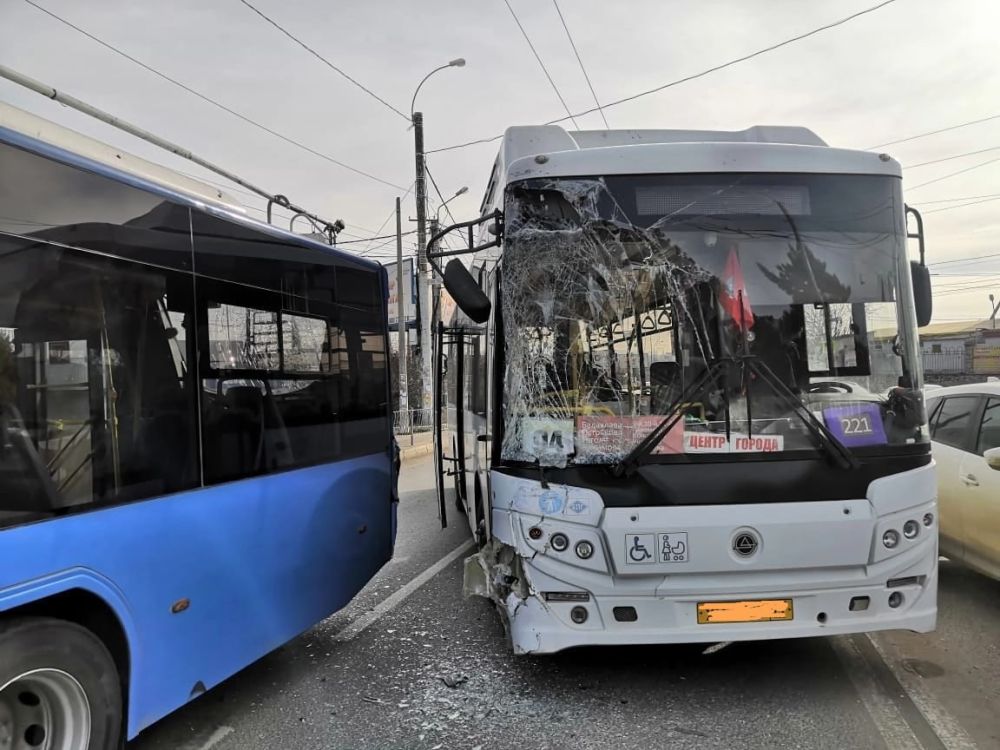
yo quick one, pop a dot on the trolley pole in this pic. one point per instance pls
(401, 320)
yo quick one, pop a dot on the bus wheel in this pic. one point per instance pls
(59, 687)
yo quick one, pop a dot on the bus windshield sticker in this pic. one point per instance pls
(550, 441)
(600, 437)
(856, 424)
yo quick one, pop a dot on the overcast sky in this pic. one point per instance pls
(910, 67)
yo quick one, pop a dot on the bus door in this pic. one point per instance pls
(448, 417)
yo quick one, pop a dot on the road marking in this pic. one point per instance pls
(884, 712)
(213, 739)
(948, 730)
(398, 597)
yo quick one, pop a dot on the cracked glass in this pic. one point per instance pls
(730, 301)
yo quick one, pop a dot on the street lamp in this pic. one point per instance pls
(462, 191)
(424, 298)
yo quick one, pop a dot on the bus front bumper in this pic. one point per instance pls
(537, 626)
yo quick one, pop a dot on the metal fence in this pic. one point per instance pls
(410, 421)
(945, 362)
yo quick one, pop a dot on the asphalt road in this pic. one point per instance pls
(377, 675)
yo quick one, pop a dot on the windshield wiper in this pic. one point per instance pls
(826, 439)
(646, 446)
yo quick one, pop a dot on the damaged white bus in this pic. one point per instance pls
(681, 394)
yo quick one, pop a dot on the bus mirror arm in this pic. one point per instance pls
(920, 275)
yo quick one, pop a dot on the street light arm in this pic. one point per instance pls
(413, 101)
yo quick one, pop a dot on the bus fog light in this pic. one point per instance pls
(910, 529)
(559, 542)
(890, 539)
(928, 519)
(584, 550)
(578, 615)
(895, 599)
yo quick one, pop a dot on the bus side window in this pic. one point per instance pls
(293, 353)
(95, 396)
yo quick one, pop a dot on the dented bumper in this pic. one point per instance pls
(651, 568)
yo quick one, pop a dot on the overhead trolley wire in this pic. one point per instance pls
(323, 60)
(954, 156)
(213, 102)
(580, 61)
(537, 57)
(956, 200)
(934, 132)
(693, 76)
(963, 205)
(953, 174)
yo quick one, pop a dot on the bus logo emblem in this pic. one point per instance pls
(745, 544)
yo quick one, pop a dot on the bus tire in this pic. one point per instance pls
(59, 686)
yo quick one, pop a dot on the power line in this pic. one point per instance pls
(323, 60)
(955, 156)
(440, 197)
(934, 132)
(953, 174)
(579, 60)
(209, 100)
(955, 200)
(962, 205)
(392, 213)
(693, 76)
(535, 53)
(380, 237)
(964, 260)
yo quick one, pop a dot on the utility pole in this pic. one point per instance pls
(401, 320)
(424, 302)
(993, 315)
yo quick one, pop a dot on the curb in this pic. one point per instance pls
(416, 451)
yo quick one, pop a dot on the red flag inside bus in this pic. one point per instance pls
(733, 295)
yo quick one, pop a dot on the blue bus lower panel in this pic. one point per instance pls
(260, 561)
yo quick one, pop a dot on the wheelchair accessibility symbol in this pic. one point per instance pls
(640, 549)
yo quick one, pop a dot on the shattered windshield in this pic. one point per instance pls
(729, 301)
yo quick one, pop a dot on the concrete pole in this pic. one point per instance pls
(424, 301)
(401, 320)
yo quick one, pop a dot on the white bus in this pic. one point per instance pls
(686, 390)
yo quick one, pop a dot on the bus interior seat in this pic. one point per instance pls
(665, 385)
(25, 482)
(234, 431)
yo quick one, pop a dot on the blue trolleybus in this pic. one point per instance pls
(196, 457)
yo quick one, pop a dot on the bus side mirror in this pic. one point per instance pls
(992, 457)
(921, 277)
(466, 292)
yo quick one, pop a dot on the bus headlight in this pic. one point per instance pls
(928, 519)
(890, 539)
(559, 542)
(584, 550)
(910, 529)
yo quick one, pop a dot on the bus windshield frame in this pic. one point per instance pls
(620, 291)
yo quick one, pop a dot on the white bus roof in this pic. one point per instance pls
(551, 151)
(19, 121)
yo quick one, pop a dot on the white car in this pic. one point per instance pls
(965, 434)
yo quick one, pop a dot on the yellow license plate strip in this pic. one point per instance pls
(763, 610)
